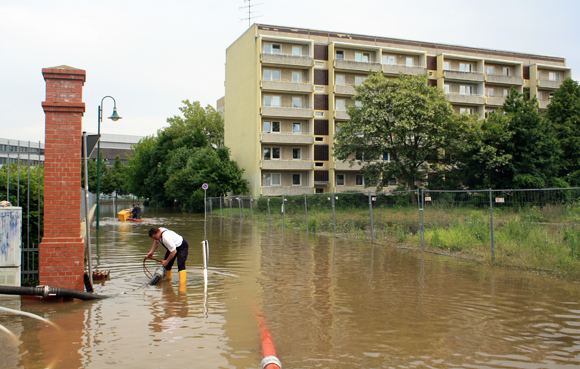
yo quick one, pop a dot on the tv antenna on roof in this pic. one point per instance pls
(250, 12)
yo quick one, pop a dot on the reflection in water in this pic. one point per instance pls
(328, 302)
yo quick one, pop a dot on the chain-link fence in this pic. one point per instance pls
(486, 225)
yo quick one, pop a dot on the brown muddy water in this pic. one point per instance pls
(329, 303)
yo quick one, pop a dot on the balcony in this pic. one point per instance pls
(287, 164)
(287, 86)
(345, 165)
(544, 83)
(286, 112)
(344, 90)
(341, 115)
(402, 68)
(492, 100)
(291, 138)
(290, 60)
(358, 66)
(286, 190)
(465, 99)
(506, 80)
(463, 76)
(543, 104)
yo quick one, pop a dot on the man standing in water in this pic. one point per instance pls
(176, 247)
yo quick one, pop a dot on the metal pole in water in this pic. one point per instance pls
(422, 228)
(333, 216)
(269, 216)
(371, 213)
(28, 202)
(87, 224)
(252, 208)
(284, 210)
(231, 212)
(306, 211)
(491, 224)
(221, 210)
(240, 205)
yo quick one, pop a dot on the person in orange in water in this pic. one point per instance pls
(177, 248)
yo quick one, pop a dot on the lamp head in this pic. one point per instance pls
(115, 117)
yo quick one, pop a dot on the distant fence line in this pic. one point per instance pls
(384, 217)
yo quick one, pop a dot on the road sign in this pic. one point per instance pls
(204, 186)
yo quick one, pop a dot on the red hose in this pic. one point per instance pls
(268, 350)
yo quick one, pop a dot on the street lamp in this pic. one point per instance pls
(114, 117)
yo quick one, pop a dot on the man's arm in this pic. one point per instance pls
(153, 248)
(169, 257)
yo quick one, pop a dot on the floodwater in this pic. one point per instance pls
(329, 303)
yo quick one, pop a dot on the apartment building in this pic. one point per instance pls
(287, 90)
(23, 152)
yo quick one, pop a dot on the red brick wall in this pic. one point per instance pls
(61, 254)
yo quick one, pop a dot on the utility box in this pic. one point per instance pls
(10, 245)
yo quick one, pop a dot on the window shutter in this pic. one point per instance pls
(321, 127)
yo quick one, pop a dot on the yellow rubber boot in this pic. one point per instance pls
(168, 275)
(182, 276)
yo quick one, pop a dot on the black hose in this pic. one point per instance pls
(45, 291)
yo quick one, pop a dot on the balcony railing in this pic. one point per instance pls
(493, 100)
(507, 80)
(284, 59)
(467, 99)
(287, 111)
(344, 90)
(543, 104)
(288, 138)
(341, 115)
(287, 164)
(287, 86)
(403, 68)
(549, 84)
(287, 190)
(463, 76)
(354, 65)
(345, 165)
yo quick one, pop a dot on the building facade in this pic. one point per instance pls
(287, 89)
(23, 152)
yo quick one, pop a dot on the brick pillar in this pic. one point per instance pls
(62, 250)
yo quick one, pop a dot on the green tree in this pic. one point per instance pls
(564, 113)
(116, 179)
(406, 119)
(516, 148)
(207, 120)
(92, 166)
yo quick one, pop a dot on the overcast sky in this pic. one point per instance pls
(151, 55)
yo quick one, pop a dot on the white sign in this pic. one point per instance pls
(428, 198)
(499, 199)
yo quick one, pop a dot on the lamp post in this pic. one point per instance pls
(114, 117)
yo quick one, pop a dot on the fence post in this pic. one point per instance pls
(371, 213)
(333, 216)
(269, 216)
(491, 224)
(422, 226)
(284, 210)
(252, 208)
(8, 174)
(210, 207)
(231, 211)
(306, 211)
(221, 211)
(240, 205)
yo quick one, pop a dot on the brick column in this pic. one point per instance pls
(62, 250)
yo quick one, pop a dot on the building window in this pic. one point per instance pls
(272, 153)
(319, 139)
(446, 66)
(490, 70)
(319, 89)
(296, 77)
(506, 71)
(409, 62)
(466, 67)
(553, 76)
(296, 179)
(319, 64)
(271, 75)
(358, 80)
(386, 156)
(506, 92)
(272, 100)
(272, 48)
(466, 90)
(389, 59)
(339, 54)
(340, 179)
(271, 127)
(296, 102)
(340, 104)
(271, 179)
(319, 114)
(359, 180)
(392, 182)
(297, 128)
(358, 104)
(362, 57)
(319, 164)
(340, 79)
(488, 113)
(296, 153)
(489, 92)
(296, 50)
(447, 88)
(466, 110)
